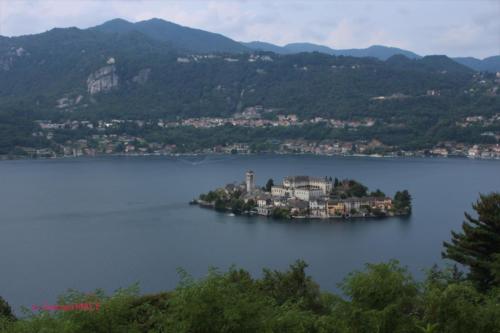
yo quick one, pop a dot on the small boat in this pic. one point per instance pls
(231, 214)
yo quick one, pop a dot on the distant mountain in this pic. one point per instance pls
(180, 37)
(116, 70)
(491, 64)
(307, 47)
(375, 51)
(266, 47)
(154, 70)
(442, 63)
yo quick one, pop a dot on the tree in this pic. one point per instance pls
(280, 213)
(210, 196)
(378, 194)
(478, 245)
(249, 205)
(357, 189)
(402, 201)
(220, 205)
(383, 298)
(269, 184)
(5, 310)
(293, 286)
(237, 206)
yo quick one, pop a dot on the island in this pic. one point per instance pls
(305, 197)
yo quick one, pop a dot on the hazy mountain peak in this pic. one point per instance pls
(398, 59)
(308, 47)
(183, 38)
(491, 64)
(115, 25)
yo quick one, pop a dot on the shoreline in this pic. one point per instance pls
(209, 206)
(374, 156)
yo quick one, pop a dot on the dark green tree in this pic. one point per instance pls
(378, 193)
(402, 201)
(249, 205)
(237, 206)
(293, 286)
(382, 299)
(356, 189)
(220, 205)
(5, 310)
(280, 213)
(210, 196)
(478, 245)
(269, 184)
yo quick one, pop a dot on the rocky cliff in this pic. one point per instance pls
(102, 80)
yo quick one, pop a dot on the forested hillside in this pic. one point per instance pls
(40, 70)
(115, 72)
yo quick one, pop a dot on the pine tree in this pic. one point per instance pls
(269, 184)
(5, 310)
(478, 245)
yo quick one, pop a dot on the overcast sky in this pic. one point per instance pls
(453, 27)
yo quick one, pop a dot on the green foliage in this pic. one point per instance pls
(380, 286)
(211, 196)
(382, 298)
(459, 307)
(334, 87)
(356, 189)
(478, 245)
(237, 206)
(249, 205)
(5, 310)
(292, 286)
(232, 201)
(402, 201)
(220, 303)
(280, 213)
(349, 188)
(220, 205)
(378, 194)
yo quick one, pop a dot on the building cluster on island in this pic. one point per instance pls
(305, 197)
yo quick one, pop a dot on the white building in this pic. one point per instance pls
(281, 191)
(307, 193)
(302, 187)
(301, 181)
(318, 207)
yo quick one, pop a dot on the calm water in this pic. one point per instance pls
(107, 223)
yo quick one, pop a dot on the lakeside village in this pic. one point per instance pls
(305, 197)
(104, 140)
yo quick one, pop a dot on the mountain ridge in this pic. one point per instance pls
(191, 40)
(71, 74)
(182, 37)
(377, 51)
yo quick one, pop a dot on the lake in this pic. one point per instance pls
(109, 222)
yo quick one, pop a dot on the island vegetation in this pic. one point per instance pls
(306, 197)
(383, 298)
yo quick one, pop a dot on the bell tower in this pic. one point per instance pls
(250, 181)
